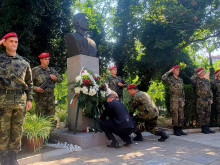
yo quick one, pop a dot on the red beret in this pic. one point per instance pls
(198, 70)
(216, 72)
(12, 34)
(131, 86)
(113, 67)
(43, 55)
(175, 67)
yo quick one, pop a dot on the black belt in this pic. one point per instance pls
(5, 91)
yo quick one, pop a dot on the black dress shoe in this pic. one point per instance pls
(114, 145)
(126, 144)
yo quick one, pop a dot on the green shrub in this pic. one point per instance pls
(61, 115)
(35, 126)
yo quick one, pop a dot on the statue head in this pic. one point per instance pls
(80, 22)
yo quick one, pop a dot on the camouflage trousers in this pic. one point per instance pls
(11, 125)
(177, 110)
(218, 109)
(149, 123)
(45, 104)
(203, 109)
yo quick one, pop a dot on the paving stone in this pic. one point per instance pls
(205, 159)
(192, 149)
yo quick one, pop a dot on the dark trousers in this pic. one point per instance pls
(109, 128)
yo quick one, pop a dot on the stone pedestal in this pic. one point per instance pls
(74, 66)
(84, 140)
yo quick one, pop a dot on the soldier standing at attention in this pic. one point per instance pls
(177, 99)
(16, 97)
(215, 81)
(116, 83)
(44, 79)
(147, 113)
(204, 99)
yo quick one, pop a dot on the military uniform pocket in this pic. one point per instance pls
(20, 98)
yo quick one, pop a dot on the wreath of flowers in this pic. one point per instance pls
(90, 90)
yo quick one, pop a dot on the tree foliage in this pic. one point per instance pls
(40, 25)
(164, 29)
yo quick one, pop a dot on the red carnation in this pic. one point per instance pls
(86, 82)
(104, 86)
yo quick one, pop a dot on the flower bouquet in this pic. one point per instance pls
(90, 91)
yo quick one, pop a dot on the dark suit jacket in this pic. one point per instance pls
(118, 114)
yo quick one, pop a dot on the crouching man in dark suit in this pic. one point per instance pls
(120, 122)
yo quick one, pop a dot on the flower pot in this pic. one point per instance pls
(62, 124)
(33, 144)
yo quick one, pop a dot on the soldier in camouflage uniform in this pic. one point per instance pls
(177, 99)
(147, 112)
(44, 94)
(215, 81)
(16, 97)
(116, 83)
(204, 99)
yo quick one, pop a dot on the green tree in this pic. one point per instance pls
(40, 25)
(164, 29)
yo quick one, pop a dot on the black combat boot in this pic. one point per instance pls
(114, 144)
(139, 136)
(209, 130)
(204, 129)
(5, 159)
(163, 135)
(181, 131)
(13, 158)
(176, 131)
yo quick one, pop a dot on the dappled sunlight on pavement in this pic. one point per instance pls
(191, 150)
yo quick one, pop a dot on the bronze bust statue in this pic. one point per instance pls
(78, 42)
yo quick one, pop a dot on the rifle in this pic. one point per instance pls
(46, 83)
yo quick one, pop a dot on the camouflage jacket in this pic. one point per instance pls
(144, 103)
(113, 84)
(15, 74)
(41, 74)
(176, 85)
(203, 89)
(215, 86)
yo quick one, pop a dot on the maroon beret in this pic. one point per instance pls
(198, 70)
(43, 55)
(113, 67)
(175, 67)
(12, 34)
(216, 72)
(131, 86)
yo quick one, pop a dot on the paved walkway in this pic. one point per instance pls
(193, 149)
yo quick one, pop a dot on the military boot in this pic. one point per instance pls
(163, 135)
(209, 130)
(13, 158)
(176, 131)
(5, 159)
(139, 137)
(181, 131)
(204, 129)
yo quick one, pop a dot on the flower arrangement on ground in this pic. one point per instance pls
(89, 90)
